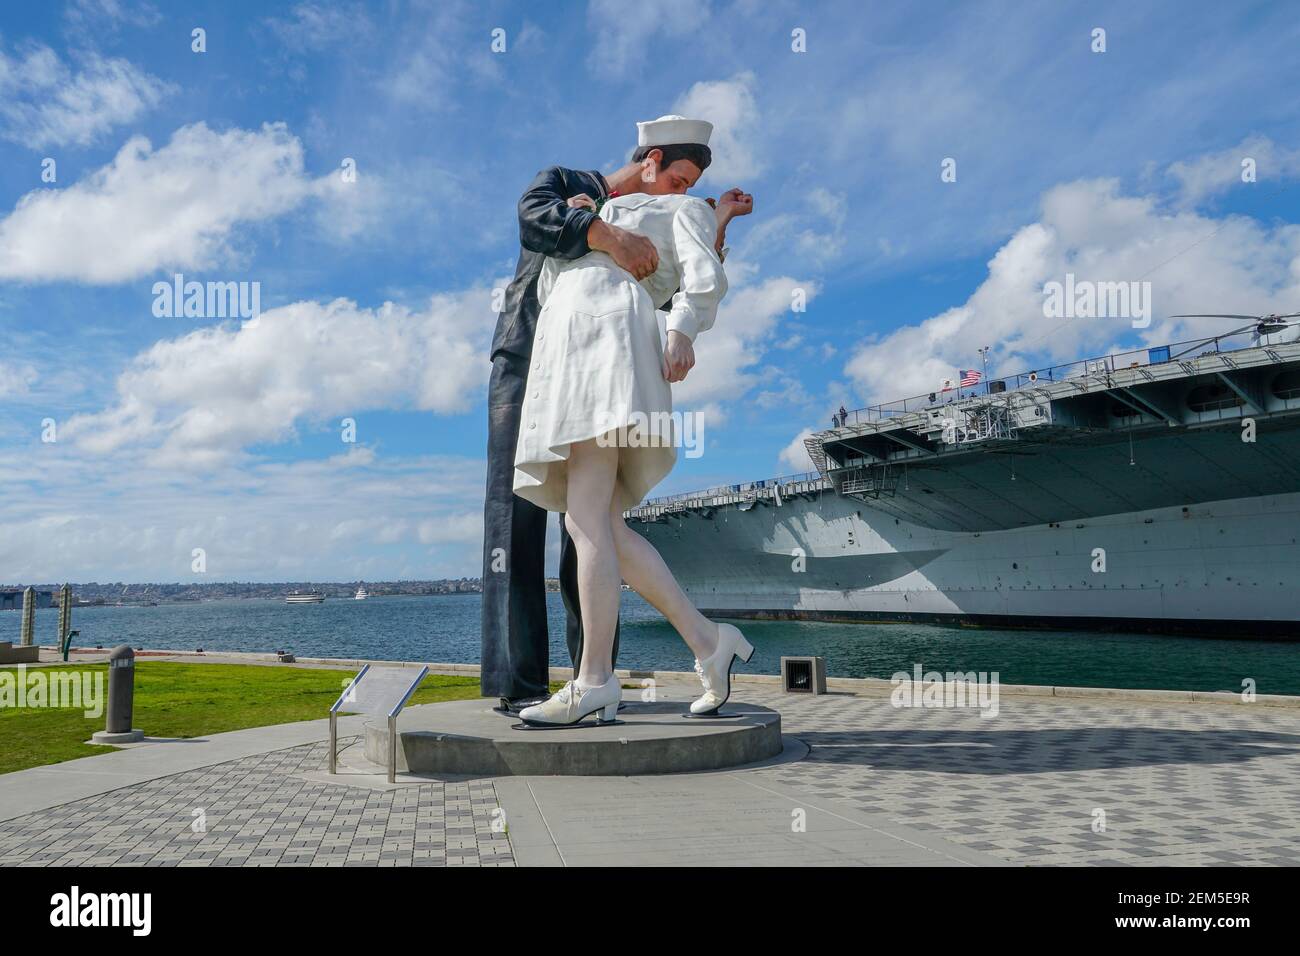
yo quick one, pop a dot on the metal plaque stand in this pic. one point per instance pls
(378, 692)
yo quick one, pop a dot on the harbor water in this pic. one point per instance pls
(445, 629)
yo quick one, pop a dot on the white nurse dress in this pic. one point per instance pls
(597, 354)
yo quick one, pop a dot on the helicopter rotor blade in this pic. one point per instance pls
(1218, 315)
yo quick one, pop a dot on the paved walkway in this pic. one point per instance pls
(260, 811)
(1173, 784)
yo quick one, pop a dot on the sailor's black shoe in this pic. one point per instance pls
(512, 706)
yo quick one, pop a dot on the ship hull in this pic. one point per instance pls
(1225, 568)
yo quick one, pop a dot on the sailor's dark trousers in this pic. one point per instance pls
(516, 647)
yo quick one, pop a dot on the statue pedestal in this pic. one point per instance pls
(469, 737)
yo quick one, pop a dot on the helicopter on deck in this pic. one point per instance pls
(1270, 329)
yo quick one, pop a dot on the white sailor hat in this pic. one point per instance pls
(673, 131)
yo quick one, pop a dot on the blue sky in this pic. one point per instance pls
(176, 434)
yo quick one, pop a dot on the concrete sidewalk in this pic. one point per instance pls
(716, 819)
(39, 788)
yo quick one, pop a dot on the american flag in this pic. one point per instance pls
(970, 377)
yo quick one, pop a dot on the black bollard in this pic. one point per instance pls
(121, 690)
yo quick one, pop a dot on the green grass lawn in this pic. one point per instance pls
(191, 700)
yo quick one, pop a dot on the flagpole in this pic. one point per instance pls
(984, 362)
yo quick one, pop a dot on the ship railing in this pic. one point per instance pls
(1036, 378)
(736, 493)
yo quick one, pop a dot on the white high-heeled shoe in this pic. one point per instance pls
(572, 703)
(715, 673)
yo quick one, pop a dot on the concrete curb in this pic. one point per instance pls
(861, 687)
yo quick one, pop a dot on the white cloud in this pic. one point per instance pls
(176, 207)
(746, 326)
(364, 204)
(45, 102)
(1089, 228)
(354, 515)
(729, 105)
(783, 391)
(16, 379)
(439, 56)
(464, 528)
(794, 456)
(1214, 173)
(812, 231)
(315, 26)
(87, 18)
(626, 39)
(202, 398)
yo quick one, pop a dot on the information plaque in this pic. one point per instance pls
(378, 692)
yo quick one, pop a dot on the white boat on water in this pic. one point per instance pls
(361, 594)
(304, 597)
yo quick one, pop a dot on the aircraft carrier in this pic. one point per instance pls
(1154, 491)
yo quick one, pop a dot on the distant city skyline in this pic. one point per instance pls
(95, 594)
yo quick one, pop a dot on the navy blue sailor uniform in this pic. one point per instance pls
(515, 642)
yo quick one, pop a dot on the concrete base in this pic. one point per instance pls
(9, 654)
(126, 737)
(469, 737)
